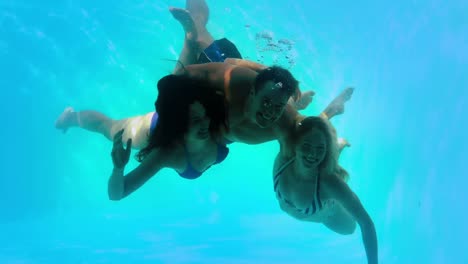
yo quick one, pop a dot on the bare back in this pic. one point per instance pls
(236, 83)
(233, 81)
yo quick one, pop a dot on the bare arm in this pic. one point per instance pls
(120, 186)
(341, 191)
(246, 64)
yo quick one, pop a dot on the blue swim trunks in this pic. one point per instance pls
(218, 51)
(154, 121)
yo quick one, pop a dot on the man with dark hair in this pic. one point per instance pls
(261, 99)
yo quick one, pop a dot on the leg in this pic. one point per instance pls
(336, 107)
(340, 221)
(191, 50)
(135, 127)
(90, 120)
(200, 13)
(197, 37)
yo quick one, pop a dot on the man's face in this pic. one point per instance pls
(268, 104)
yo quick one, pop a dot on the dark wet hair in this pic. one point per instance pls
(175, 95)
(278, 74)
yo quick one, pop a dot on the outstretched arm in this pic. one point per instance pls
(341, 191)
(120, 186)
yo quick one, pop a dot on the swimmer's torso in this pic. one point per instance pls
(305, 200)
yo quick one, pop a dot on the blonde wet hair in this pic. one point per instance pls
(329, 165)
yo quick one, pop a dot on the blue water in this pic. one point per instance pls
(406, 123)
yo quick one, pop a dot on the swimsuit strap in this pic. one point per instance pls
(280, 171)
(317, 194)
(284, 166)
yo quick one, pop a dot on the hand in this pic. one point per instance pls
(304, 101)
(120, 156)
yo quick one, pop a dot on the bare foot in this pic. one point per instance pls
(65, 120)
(183, 16)
(336, 107)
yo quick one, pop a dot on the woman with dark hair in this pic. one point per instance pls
(311, 186)
(185, 134)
